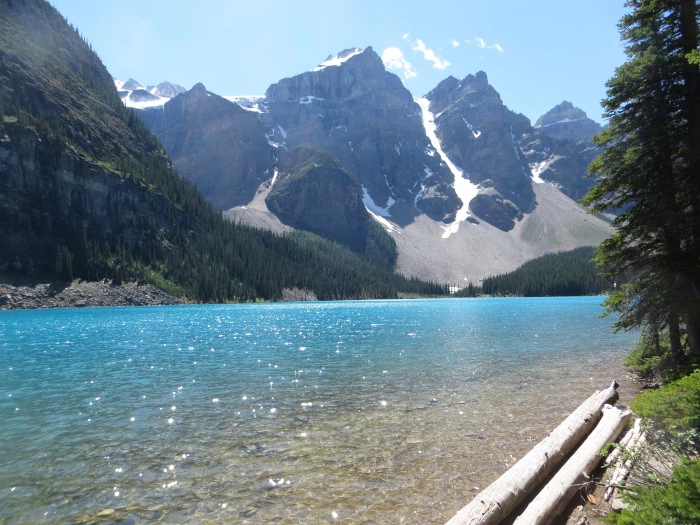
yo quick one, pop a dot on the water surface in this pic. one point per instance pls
(352, 412)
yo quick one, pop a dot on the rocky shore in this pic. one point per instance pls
(18, 293)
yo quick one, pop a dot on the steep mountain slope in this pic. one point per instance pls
(313, 192)
(479, 133)
(216, 145)
(86, 190)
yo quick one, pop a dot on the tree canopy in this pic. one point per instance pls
(649, 172)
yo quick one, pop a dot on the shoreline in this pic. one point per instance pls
(25, 293)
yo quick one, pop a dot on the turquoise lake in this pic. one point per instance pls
(343, 412)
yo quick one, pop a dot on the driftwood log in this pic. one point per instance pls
(499, 499)
(624, 443)
(622, 470)
(554, 497)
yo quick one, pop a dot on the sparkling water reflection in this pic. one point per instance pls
(353, 412)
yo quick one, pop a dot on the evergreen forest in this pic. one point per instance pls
(554, 274)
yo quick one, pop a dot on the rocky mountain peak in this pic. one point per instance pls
(481, 81)
(198, 88)
(478, 133)
(566, 121)
(564, 111)
(131, 85)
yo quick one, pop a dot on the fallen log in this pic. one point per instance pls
(499, 499)
(624, 443)
(554, 497)
(621, 473)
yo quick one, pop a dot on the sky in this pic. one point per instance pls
(536, 54)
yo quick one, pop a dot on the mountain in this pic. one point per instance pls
(565, 121)
(87, 191)
(465, 186)
(355, 109)
(313, 192)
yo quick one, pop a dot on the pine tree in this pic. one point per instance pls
(649, 171)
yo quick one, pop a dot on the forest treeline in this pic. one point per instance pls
(554, 274)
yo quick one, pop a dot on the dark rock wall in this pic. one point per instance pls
(47, 194)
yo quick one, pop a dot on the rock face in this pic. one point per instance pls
(313, 192)
(364, 116)
(216, 145)
(568, 122)
(479, 134)
(561, 162)
(47, 193)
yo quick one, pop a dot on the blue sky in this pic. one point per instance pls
(536, 53)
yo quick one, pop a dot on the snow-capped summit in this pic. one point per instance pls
(254, 103)
(166, 89)
(134, 95)
(336, 60)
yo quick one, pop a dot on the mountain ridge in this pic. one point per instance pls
(361, 113)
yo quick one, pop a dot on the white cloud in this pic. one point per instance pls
(393, 59)
(430, 55)
(455, 43)
(405, 36)
(483, 45)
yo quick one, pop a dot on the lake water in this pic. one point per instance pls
(344, 412)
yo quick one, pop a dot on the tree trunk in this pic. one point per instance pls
(553, 498)
(674, 333)
(499, 499)
(693, 327)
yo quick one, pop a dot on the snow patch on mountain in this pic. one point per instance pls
(273, 133)
(562, 121)
(471, 128)
(465, 189)
(274, 178)
(135, 96)
(374, 207)
(254, 103)
(336, 60)
(537, 168)
(308, 99)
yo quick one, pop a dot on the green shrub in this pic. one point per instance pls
(675, 405)
(677, 502)
(649, 354)
(651, 357)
